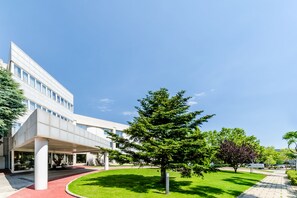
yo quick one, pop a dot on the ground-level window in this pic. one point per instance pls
(81, 158)
(23, 160)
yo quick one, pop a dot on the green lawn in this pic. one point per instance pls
(135, 183)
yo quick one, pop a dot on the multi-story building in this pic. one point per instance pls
(50, 134)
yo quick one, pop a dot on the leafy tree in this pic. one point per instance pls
(236, 154)
(165, 134)
(11, 101)
(270, 161)
(291, 138)
(235, 135)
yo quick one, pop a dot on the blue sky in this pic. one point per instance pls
(238, 59)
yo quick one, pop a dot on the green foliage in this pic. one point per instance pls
(291, 138)
(165, 134)
(236, 135)
(11, 98)
(292, 175)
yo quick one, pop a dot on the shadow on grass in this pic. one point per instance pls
(143, 184)
(241, 181)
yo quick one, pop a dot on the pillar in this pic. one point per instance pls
(74, 159)
(106, 161)
(40, 163)
(12, 161)
(52, 159)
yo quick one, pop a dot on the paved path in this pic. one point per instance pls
(275, 185)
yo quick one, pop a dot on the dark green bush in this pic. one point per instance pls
(292, 175)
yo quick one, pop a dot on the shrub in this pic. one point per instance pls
(292, 175)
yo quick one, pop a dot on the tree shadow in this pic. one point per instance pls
(143, 184)
(241, 181)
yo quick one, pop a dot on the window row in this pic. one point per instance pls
(33, 82)
(32, 106)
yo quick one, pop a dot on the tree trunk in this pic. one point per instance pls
(235, 168)
(163, 175)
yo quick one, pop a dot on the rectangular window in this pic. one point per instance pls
(54, 95)
(32, 105)
(44, 109)
(62, 101)
(43, 89)
(119, 133)
(32, 81)
(17, 71)
(49, 111)
(54, 114)
(25, 102)
(38, 85)
(38, 106)
(49, 93)
(58, 98)
(106, 131)
(25, 77)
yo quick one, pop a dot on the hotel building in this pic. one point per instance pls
(50, 134)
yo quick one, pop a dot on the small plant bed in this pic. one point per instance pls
(134, 183)
(292, 175)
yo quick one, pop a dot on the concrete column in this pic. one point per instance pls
(74, 159)
(40, 163)
(114, 131)
(52, 159)
(106, 161)
(12, 161)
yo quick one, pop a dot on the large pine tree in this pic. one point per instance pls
(165, 134)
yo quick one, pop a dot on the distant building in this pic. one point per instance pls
(50, 133)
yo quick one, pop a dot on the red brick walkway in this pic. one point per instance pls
(56, 188)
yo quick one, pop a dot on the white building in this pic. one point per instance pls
(50, 134)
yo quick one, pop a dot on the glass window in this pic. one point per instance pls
(43, 89)
(38, 106)
(106, 130)
(23, 160)
(49, 93)
(62, 101)
(38, 85)
(25, 77)
(44, 109)
(119, 133)
(25, 102)
(17, 71)
(82, 126)
(81, 158)
(54, 114)
(32, 81)
(54, 95)
(32, 105)
(49, 111)
(58, 98)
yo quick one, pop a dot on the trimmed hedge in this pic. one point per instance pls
(292, 175)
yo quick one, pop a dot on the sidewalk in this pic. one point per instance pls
(275, 185)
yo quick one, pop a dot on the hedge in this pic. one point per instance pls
(292, 175)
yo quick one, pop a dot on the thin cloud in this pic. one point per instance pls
(104, 104)
(129, 113)
(200, 94)
(106, 100)
(191, 103)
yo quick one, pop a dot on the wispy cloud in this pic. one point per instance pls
(200, 94)
(104, 104)
(191, 103)
(129, 113)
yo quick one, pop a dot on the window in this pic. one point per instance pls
(62, 101)
(17, 71)
(32, 81)
(38, 85)
(38, 106)
(81, 158)
(119, 133)
(54, 95)
(49, 111)
(25, 77)
(25, 102)
(58, 99)
(82, 126)
(49, 93)
(43, 89)
(44, 109)
(54, 114)
(106, 130)
(32, 105)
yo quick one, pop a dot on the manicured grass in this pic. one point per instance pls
(135, 183)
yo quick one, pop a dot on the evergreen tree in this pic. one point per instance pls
(11, 101)
(165, 134)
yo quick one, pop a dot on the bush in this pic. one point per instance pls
(292, 175)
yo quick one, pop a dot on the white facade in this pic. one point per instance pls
(50, 125)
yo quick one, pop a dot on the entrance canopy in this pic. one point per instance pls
(62, 136)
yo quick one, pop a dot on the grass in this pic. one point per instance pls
(144, 183)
